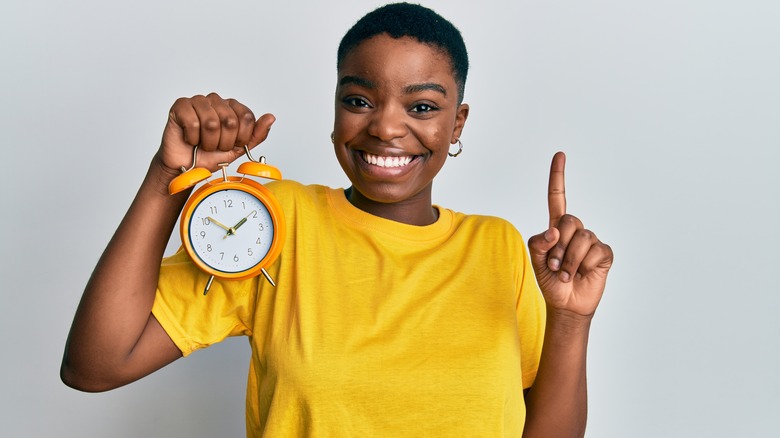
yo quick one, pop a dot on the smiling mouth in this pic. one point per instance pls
(382, 161)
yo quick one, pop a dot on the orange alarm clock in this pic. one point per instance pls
(232, 227)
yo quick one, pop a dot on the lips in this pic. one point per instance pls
(387, 161)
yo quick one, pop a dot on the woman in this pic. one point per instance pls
(392, 316)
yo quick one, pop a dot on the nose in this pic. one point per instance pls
(387, 123)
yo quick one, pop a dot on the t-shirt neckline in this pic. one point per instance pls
(359, 218)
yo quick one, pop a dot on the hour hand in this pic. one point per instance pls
(243, 220)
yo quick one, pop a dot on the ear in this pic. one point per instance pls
(460, 122)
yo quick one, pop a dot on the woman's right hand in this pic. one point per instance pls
(219, 127)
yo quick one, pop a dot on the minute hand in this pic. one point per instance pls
(219, 224)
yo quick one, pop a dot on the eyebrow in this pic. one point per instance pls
(409, 89)
(416, 88)
(356, 80)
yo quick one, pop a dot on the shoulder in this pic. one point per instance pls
(288, 187)
(303, 204)
(491, 236)
(294, 193)
(493, 226)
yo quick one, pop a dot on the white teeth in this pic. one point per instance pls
(386, 161)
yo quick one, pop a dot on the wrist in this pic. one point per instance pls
(159, 176)
(568, 322)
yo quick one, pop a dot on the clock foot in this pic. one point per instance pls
(208, 285)
(268, 277)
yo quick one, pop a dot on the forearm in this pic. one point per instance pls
(116, 305)
(556, 405)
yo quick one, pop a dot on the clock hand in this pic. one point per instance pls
(230, 230)
(224, 227)
(243, 220)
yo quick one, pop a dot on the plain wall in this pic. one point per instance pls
(669, 112)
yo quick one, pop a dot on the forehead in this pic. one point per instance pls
(398, 60)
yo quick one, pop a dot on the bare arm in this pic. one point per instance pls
(557, 404)
(571, 267)
(114, 338)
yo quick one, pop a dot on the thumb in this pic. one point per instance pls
(540, 245)
(261, 129)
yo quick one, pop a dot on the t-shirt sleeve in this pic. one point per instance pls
(531, 319)
(193, 320)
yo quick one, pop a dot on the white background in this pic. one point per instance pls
(669, 112)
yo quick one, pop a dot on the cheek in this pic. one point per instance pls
(345, 160)
(346, 124)
(437, 138)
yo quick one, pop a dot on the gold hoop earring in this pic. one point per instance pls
(460, 149)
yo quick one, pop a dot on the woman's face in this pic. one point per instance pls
(397, 113)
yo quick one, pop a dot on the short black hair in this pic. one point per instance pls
(414, 21)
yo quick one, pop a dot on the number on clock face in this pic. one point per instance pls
(231, 230)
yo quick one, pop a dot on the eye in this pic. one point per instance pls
(423, 108)
(356, 102)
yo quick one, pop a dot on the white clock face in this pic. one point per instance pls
(231, 230)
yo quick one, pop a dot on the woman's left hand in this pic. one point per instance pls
(570, 262)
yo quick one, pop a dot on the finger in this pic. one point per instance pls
(556, 189)
(580, 245)
(568, 225)
(183, 115)
(261, 129)
(246, 122)
(228, 122)
(599, 257)
(539, 247)
(209, 123)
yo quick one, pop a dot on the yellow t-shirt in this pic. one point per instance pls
(376, 328)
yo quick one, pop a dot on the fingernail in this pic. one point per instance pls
(563, 276)
(548, 235)
(554, 264)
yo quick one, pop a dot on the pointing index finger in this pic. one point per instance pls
(556, 190)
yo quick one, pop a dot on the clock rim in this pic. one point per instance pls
(255, 189)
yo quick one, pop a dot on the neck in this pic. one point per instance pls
(417, 210)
